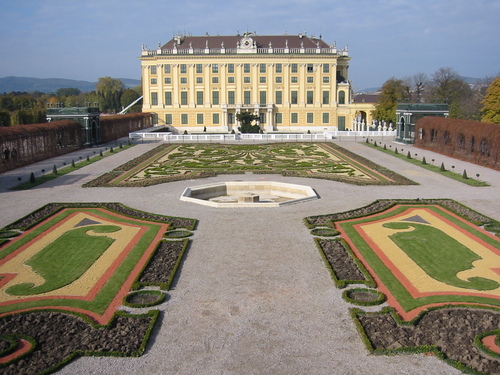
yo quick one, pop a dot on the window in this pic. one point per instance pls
(294, 118)
(326, 79)
(168, 80)
(279, 97)
(310, 68)
(246, 68)
(279, 79)
(310, 97)
(215, 97)
(246, 97)
(246, 79)
(154, 81)
(230, 79)
(279, 68)
(263, 97)
(294, 97)
(230, 97)
(215, 118)
(184, 80)
(154, 98)
(310, 79)
(184, 118)
(262, 118)
(295, 79)
(326, 118)
(199, 97)
(199, 118)
(262, 79)
(199, 80)
(183, 68)
(326, 68)
(215, 68)
(199, 68)
(184, 98)
(230, 68)
(215, 79)
(341, 123)
(295, 68)
(152, 69)
(168, 118)
(168, 97)
(310, 117)
(326, 97)
(279, 118)
(341, 97)
(230, 118)
(262, 68)
(166, 68)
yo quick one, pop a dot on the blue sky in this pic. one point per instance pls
(88, 39)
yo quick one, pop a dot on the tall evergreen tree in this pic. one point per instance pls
(491, 103)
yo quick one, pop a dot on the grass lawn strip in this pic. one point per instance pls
(68, 169)
(430, 167)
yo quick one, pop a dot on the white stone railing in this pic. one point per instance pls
(144, 135)
(229, 51)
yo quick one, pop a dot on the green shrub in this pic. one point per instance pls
(464, 175)
(424, 161)
(442, 168)
(54, 169)
(32, 178)
(408, 155)
(73, 163)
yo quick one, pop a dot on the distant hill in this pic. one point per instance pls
(50, 85)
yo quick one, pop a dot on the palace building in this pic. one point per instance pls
(292, 82)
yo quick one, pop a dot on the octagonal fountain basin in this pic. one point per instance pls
(248, 194)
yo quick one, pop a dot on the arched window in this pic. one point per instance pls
(341, 97)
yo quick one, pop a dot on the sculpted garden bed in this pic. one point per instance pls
(67, 269)
(187, 161)
(436, 262)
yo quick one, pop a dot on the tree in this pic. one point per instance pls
(448, 87)
(68, 91)
(109, 91)
(128, 96)
(491, 103)
(246, 119)
(420, 81)
(392, 92)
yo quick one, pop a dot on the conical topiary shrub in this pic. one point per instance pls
(54, 169)
(32, 178)
(396, 150)
(442, 168)
(73, 163)
(408, 155)
(424, 162)
(464, 175)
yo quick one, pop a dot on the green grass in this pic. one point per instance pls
(49, 176)
(62, 261)
(431, 167)
(444, 268)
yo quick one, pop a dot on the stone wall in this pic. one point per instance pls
(473, 141)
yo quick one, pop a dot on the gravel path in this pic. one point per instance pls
(253, 295)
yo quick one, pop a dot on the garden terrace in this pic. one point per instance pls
(317, 160)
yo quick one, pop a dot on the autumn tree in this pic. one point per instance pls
(491, 103)
(392, 92)
(109, 91)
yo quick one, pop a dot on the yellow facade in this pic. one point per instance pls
(292, 82)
